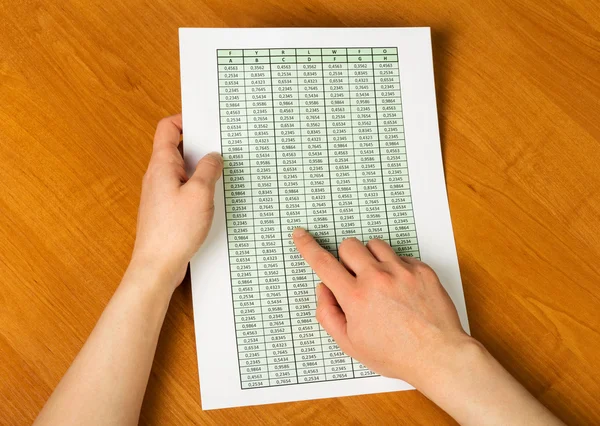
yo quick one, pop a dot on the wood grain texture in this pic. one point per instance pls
(83, 84)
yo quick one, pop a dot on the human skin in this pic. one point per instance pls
(390, 313)
(108, 378)
(393, 314)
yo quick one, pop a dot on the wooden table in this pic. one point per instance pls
(82, 86)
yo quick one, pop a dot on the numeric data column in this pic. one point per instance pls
(401, 220)
(317, 182)
(240, 222)
(282, 361)
(263, 166)
(371, 196)
(293, 205)
(344, 188)
(317, 194)
(366, 146)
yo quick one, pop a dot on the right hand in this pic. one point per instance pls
(391, 313)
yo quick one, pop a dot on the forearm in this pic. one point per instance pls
(475, 389)
(107, 381)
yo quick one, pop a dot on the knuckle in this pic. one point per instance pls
(210, 210)
(211, 161)
(162, 156)
(201, 189)
(403, 273)
(324, 260)
(382, 277)
(422, 268)
(321, 314)
(201, 183)
(358, 295)
(162, 122)
(423, 271)
(151, 171)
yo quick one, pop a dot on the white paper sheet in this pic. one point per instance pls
(247, 371)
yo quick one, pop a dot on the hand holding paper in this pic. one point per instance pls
(175, 212)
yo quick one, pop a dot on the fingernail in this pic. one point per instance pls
(299, 232)
(318, 290)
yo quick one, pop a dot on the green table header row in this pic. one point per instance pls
(307, 59)
(307, 52)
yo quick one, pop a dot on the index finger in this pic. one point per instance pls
(166, 157)
(168, 132)
(330, 271)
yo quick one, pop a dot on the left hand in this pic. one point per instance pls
(176, 211)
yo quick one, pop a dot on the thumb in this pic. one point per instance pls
(209, 169)
(331, 317)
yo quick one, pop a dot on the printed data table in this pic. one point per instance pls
(311, 138)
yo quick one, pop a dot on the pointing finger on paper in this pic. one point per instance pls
(327, 267)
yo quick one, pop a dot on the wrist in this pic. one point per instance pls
(153, 277)
(459, 379)
(165, 263)
(473, 388)
(451, 360)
